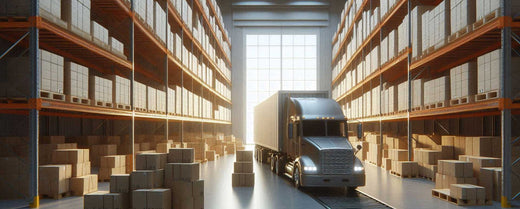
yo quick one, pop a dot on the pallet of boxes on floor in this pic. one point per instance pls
(243, 175)
(473, 179)
(161, 180)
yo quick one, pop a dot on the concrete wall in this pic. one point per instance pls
(257, 17)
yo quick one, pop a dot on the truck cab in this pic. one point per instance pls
(319, 154)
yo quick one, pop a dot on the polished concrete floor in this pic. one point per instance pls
(272, 191)
(406, 192)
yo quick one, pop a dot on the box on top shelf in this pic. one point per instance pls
(100, 91)
(463, 81)
(160, 22)
(77, 14)
(161, 101)
(488, 76)
(140, 97)
(99, 34)
(120, 91)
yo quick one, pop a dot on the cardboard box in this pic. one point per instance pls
(398, 154)
(83, 184)
(456, 168)
(120, 183)
(405, 168)
(150, 161)
(490, 179)
(94, 200)
(481, 162)
(444, 181)
(244, 156)
(115, 200)
(243, 179)
(45, 151)
(243, 167)
(151, 198)
(100, 150)
(80, 169)
(70, 156)
(163, 147)
(181, 172)
(211, 155)
(387, 164)
(142, 179)
(486, 146)
(106, 173)
(113, 161)
(467, 192)
(181, 155)
(53, 180)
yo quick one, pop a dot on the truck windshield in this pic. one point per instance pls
(323, 128)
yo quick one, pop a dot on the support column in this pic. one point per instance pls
(505, 92)
(132, 75)
(34, 126)
(409, 128)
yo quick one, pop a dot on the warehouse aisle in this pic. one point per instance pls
(400, 193)
(270, 191)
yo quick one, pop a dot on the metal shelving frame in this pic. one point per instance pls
(43, 33)
(494, 34)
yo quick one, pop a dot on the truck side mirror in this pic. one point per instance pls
(360, 131)
(359, 147)
(290, 131)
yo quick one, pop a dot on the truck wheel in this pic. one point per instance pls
(277, 162)
(273, 163)
(296, 177)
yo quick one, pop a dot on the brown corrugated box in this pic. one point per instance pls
(83, 184)
(99, 150)
(243, 179)
(181, 172)
(52, 139)
(146, 179)
(103, 200)
(113, 161)
(244, 156)
(105, 173)
(243, 167)
(150, 161)
(45, 151)
(70, 156)
(481, 162)
(211, 155)
(456, 168)
(467, 192)
(120, 183)
(398, 154)
(151, 198)
(181, 155)
(405, 168)
(444, 181)
(80, 169)
(387, 164)
(53, 180)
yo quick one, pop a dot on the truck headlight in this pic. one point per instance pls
(358, 168)
(310, 168)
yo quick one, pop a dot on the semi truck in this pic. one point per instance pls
(302, 135)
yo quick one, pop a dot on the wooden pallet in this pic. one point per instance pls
(429, 106)
(486, 19)
(402, 176)
(56, 196)
(122, 106)
(53, 19)
(444, 194)
(52, 95)
(460, 33)
(428, 178)
(77, 100)
(486, 96)
(462, 100)
(140, 109)
(441, 104)
(416, 108)
(102, 104)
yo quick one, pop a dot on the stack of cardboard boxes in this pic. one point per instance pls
(243, 175)
(427, 160)
(399, 164)
(81, 180)
(14, 172)
(112, 164)
(454, 172)
(182, 176)
(374, 154)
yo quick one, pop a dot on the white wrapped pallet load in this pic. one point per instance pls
(76, 83)
(178, 46)
(77, 14)
(488, 72)
(117, 47)
(151, 102)
(178, 100)
(403, 34)
(171, 40)
(99, 34)
(425, 31)
(121, 92)
(150, 13)
(402, 101)
(417, 91)
(184, 102)
(171, 101)
(392, 45)
(392, 99)
(140, 9)
(376, 97)
(161, 101)
(140, 96)
(190, 103)
(463, 83)
(442, 91)
(440, 26)
(384, 50)
(462, 14)
(160, 22)
(100, 91)
(417, 29)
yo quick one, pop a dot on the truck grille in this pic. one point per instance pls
(336, 161)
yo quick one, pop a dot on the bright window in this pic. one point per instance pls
(278, 62)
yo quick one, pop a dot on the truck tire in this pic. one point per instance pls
(273, 163)
(297, 177)
(277, 165)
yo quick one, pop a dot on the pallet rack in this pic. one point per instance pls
(494, 34)
(35, 32)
